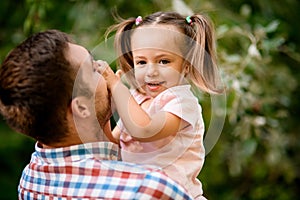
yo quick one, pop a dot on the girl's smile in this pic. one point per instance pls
(154, 86)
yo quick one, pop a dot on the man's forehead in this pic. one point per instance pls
(78, 55)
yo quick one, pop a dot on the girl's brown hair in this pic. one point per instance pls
(199, 50)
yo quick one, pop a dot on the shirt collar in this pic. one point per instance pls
(140, 98)
(95, 150)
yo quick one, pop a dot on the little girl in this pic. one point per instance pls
(161, 121)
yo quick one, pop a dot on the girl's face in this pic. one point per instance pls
(158, 62)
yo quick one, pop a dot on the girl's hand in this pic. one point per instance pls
(119, 73)
(108, 74)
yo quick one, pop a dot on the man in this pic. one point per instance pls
(51, 92)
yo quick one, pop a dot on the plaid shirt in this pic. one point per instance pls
(91, 171)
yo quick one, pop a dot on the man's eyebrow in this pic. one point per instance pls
(91, 59)
(91, 56)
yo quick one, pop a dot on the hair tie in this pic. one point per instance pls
(189, 20)
(138, 20)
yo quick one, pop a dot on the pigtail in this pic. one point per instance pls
(202, 55)
(122, 45)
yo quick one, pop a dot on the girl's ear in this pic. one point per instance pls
(186, 70)
(80, 107)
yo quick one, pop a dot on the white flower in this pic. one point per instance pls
(253, 51)
(260, 121)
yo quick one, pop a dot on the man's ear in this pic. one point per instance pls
(80, 107)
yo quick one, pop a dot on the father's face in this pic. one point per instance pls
(82, 59)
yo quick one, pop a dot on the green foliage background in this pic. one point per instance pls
(256, 156)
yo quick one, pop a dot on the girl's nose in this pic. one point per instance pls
(152, 70)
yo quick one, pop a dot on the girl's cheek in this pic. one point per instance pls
(139, 76)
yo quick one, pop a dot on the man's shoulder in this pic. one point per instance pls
(137, 169)
(106, 179)
(151, 181)
(145, 173)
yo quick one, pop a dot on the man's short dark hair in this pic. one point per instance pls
(36, 82)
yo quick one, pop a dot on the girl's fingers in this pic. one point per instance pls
(102, 66)
(119, 73)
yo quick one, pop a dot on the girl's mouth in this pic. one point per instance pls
(154, 86)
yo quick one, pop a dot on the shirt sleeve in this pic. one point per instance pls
(183, 104)
(158, 186)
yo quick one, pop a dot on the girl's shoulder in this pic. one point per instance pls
(139, 97)
(180, 92)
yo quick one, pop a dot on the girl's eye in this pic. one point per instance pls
(141, 62)
(164, 62)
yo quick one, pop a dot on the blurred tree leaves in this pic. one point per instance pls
(257, 141)
(256, 156)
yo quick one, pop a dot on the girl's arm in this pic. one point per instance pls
(110, 134)
(140, 125)
(116, 132)
(114, 135)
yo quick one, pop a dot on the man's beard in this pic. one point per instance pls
(104, 113)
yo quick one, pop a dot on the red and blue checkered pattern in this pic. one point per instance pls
(92, 171)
